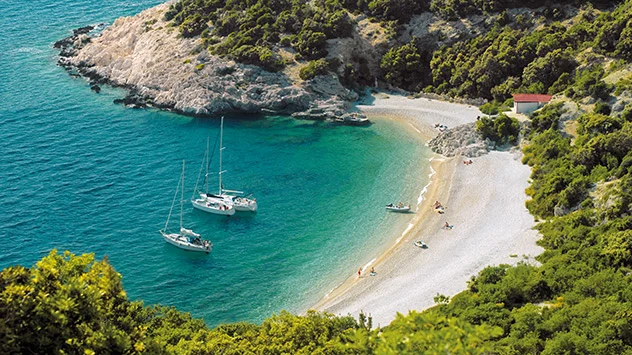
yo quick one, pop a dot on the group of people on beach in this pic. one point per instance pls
(372, 272)
(439, 208)
(440, 127)
(467, 162)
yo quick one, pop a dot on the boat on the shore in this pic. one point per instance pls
(420, 244)
(185, 239)
(400, 207)
(353, 120)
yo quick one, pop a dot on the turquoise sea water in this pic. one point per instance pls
(80, 173)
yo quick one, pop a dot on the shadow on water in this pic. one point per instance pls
(194, 257)
(238, 217)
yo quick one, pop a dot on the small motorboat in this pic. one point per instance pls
(420, 244)
(357, 121)
(400, 207)
(353, 119)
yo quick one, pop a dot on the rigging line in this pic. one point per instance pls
(213, 151)
(173, 203)
(208, 164)
(197, 182)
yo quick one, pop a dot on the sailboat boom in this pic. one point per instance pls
(233, 191)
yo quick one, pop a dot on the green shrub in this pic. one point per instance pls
(314, 68)
(405, 66)
(602, 108)
(588, 83)
(501, 129)
(193, 26)
(490, 108)
(546, 118)
(310, 44)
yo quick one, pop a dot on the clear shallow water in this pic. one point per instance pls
(80, 173)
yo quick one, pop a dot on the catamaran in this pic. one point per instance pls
(186, 239)
(225, 201)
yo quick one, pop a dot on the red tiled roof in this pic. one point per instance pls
(531, 97)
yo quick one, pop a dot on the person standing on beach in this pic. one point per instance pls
(359, 272)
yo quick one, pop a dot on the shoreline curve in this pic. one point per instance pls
(407, 277)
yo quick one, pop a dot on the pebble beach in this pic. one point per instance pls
(483, 203)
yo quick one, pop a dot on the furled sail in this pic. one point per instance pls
(188, 232)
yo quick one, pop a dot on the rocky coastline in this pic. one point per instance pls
(158, 68)
(462, 140)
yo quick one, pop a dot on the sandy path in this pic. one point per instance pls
(485, 204)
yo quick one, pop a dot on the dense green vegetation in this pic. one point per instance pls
(578, 301)
(247, 31)
(314, 68)
(533, 53)
(501, 129)
(74, 304)
(527, 52)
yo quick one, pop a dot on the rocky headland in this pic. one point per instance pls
(159, 68)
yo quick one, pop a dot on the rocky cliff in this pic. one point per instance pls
(461, 140)
(160, 68)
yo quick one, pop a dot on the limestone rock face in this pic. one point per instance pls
(461, 140)
(160, 68)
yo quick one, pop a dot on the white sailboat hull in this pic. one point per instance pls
(242, 204)
(184, 243)
(213, 207)
(246, 208)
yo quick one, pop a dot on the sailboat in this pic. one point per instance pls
(230, 198)
(186, 238)
(208, 202)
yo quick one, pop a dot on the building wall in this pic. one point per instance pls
(526, 107)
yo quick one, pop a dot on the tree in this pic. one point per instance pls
(502, 129)
(404, 67)
(314, 68)
(547, 70)
(68, 304)
(430, 333)
(311, 45)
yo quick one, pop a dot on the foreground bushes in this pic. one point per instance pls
(74, 304)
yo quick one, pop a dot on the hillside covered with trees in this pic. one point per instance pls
(545, 48)
(578, 301)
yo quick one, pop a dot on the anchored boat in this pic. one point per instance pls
(186, 238)
(400, 207)
(225, 202)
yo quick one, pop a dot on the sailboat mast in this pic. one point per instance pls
(173, 203)
(207, 162)
(221, 147)
(182, 195)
